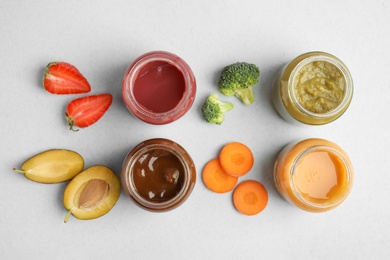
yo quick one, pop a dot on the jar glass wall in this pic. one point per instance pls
(158, 175)
(315, 175)
(315, 88)
(159, 87)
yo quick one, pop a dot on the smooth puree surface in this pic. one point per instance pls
(159, 86)
(319, 176)
(158, 175)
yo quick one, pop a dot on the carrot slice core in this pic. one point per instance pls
(250, 197)
(236, 159)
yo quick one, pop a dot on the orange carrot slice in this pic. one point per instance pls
(216, 179)
(236, 159)
(250, 197)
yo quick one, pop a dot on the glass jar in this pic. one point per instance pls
(315, 175)
(158, 175)
(315, 88)
(158, 87)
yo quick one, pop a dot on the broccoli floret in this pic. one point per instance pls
(238, 79)
(213, 109)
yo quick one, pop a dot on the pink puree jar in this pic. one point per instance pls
(158, 87)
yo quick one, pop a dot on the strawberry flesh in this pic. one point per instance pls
(85, 111)
(64, 78)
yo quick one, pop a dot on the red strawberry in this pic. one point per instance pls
(85, 111)
(64, 78)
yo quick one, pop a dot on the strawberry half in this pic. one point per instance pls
(85, 111)
(64, 78)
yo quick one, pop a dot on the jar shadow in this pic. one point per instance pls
(267, 174)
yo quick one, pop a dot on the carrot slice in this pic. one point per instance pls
(236, 159)
(216, 179)
(250, 197)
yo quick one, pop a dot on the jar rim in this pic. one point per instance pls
(346, 164)
(348, 91)
(132, 187)
(132, 74)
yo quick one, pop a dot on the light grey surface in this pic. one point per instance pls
(103, 37)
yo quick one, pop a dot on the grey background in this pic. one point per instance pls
(103, 37)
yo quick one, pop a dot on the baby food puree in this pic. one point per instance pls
(319, 86)
(315, 88)
(314, 174)
(158, 87)
(158, 175)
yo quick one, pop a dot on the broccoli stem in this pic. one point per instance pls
(225, 106)
(245, 95)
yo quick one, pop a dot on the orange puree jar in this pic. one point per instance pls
(315, 175)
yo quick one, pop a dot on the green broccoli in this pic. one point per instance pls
(213, 109)
(238, 79)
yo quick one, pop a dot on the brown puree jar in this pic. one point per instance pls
(158, 175)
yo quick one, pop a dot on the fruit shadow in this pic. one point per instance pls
(39, 78)
(60, 197)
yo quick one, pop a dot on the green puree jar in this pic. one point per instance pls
(315, 88)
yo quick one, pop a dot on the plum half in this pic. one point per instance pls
(52, 166)
(92, 193)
